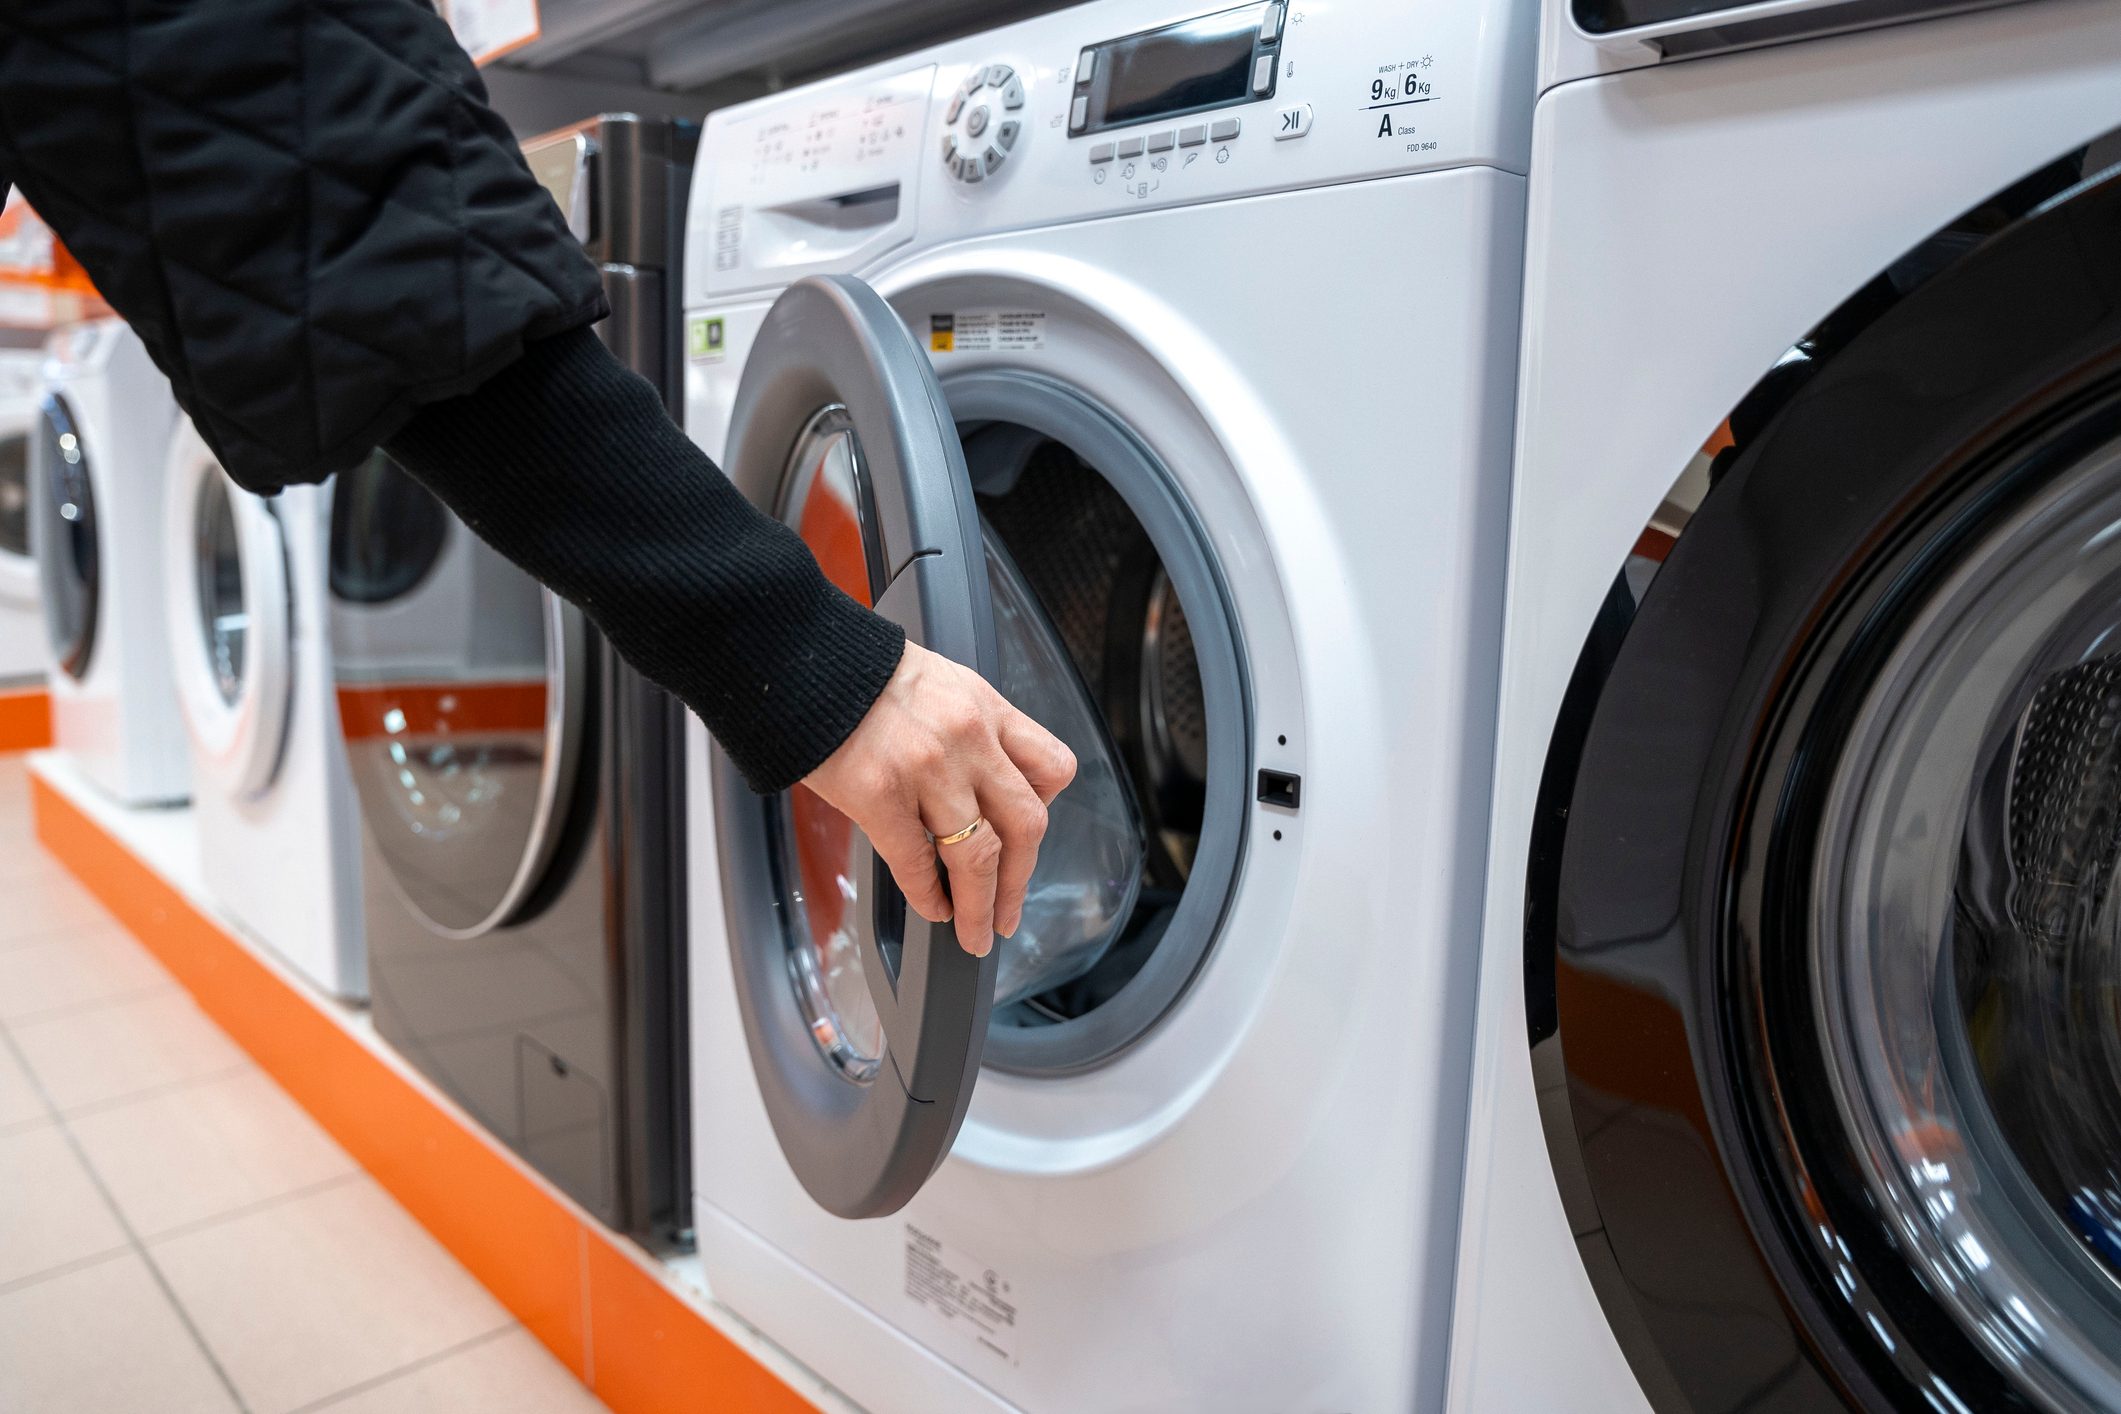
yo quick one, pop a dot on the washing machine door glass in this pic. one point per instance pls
(1970, 976)
(867, 1023)
(14, 497)
(230, 620)
(387, 533)
(62, 517)
(218, 569)
(463, 698)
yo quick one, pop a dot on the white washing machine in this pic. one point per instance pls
(97, 460)
(1158, 361)
(249, 624)
(21, 625)
(1796, 1085)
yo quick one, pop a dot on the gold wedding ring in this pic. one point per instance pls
(962, 835)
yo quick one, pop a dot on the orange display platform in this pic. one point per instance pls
(602, 1305)
(25, 719)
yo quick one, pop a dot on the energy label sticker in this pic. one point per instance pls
(987, 331)
(706, 339)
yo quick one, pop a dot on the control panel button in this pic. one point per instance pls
(1263, 73)
(950, 150)
(1079, 112)
(1085, 66)
(957, 106)
(977, 123)
(1130, 147)
(999, 74)
(1099, 151)
(993, 157)
(1295, 122)
(969, 169)
(1162, 142)
(1193, 135)
(973, 82)
(1270, 25)
(1013, 94)
(1223, 130)
(1006, 135)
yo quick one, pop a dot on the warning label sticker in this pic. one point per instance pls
(976, 1300)
(987, 331)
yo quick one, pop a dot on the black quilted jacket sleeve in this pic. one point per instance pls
(305, 207)
(329, 242)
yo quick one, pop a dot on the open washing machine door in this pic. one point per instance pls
(231, 629)
(867, 1024)
(63, 536)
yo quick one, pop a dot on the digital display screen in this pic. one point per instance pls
(1202, 63)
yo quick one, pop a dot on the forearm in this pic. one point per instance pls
(568, 464)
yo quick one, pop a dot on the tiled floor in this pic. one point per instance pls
(175, 1233)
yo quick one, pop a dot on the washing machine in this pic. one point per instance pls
(21, 623)
(248, 616)
(1795, 1085)
(97, 458)
(1156, 360)
(517, 783)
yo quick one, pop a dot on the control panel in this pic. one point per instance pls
(1110, 106)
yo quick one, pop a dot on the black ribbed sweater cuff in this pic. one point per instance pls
(567, 463)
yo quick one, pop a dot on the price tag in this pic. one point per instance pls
(490, 28)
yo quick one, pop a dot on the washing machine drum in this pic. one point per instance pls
(1084, 556)
(1080, 901)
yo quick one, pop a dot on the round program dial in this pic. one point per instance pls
(983, 123)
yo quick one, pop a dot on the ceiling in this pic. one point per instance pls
(717, 52)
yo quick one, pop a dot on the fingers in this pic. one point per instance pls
(1019, 820)
(938, 749)
(910, 855)
(974, 864)
(1048, 765)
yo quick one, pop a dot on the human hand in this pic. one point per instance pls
(939, 749)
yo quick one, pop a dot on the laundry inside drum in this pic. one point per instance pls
(1097, 646)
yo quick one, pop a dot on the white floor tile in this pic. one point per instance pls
(102, 1340)
(510, 1374)
(308, 1283)
(54, 974)
(109, 1052)
(45, 907)
(19, 1100)
(50, 1211)
(180, 1156)
(307, 1298)
(23, 861)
